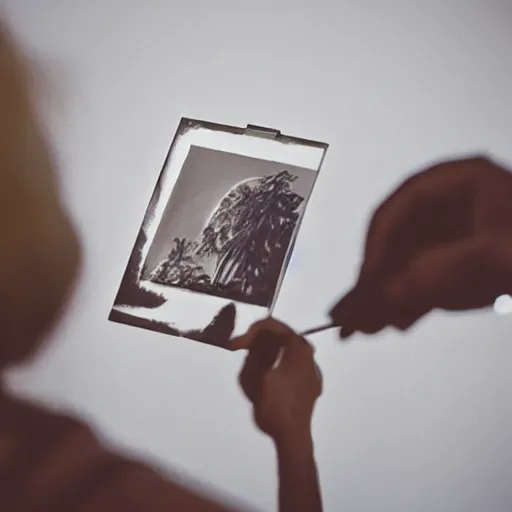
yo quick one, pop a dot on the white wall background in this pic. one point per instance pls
(415, 422)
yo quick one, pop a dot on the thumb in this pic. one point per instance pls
(466, 274)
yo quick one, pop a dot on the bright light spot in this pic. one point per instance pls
(503, 305)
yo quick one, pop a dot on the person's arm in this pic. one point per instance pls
(282, 381)
(299, 489)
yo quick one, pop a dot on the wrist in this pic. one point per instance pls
(297, 440)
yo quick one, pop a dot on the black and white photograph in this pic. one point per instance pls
(228, 226)
(218, 233)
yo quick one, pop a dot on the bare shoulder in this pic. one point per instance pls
(50, 461)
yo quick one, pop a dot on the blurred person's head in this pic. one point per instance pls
(39, 250)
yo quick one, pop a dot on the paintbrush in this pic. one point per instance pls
(319, 328)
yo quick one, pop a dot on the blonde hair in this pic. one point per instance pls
(39, 250)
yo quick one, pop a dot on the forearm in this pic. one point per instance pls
(299, 490)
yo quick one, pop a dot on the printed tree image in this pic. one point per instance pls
(249, 235)
(247, 238)
(180, 268)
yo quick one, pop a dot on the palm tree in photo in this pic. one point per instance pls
(250, 233)
(208, 243)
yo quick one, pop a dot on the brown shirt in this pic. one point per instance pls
(50, 462)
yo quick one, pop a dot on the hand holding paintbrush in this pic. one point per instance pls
(247, 339)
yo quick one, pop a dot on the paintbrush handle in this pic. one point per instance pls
(319, 328)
